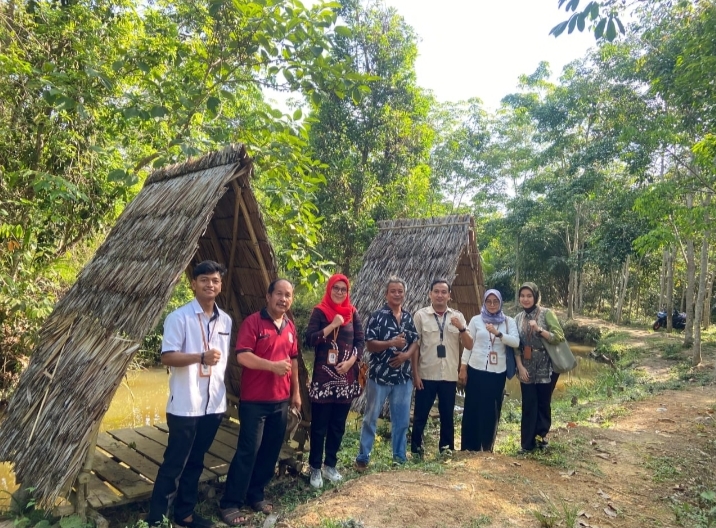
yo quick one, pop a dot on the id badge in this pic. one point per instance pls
(332, 357)
(441, 351)
(493, 358)
(204, 371)
(527, 352)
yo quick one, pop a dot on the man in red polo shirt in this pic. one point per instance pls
(267, 349)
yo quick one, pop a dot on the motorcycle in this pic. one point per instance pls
(678, 320)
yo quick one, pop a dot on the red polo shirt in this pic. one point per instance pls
(258, 334)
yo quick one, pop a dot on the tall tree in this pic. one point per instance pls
(375, 142)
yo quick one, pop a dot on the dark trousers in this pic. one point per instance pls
(178, 477)
(328, 423)
(484, 393)
(261, 432)
(424, 400)
(536, 412)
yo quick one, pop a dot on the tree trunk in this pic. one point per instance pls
(574, 265)
(690, 278)
(696, 353)
(623, 289)
(662, 279)
(706, 318)
(517, 269)
(670, 288)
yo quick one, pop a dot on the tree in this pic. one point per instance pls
(374, 142)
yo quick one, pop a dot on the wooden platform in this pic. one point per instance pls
(126, 462)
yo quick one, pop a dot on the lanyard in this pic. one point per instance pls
(211, 332)
(440, 326)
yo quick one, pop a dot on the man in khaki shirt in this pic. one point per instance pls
(443, 334)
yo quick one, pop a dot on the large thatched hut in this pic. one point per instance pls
(418, 251)
(202, 209)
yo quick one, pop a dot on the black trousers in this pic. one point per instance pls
(263, 426)
(424, 400)
(178, 477)
(328, 423)
(536, 412)
(484, 393)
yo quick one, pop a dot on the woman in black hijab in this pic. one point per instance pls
(535, 367)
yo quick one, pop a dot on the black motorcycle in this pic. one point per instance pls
(678, 320)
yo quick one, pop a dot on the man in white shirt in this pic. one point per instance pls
(443, 334)
(196, 347)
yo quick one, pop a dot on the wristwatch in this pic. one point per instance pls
(461, 330)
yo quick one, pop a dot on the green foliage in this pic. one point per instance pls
(374, 141)
(603, 18)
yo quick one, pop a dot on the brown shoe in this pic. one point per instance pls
(360, 466)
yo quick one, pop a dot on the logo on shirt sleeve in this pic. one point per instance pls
(290, 337)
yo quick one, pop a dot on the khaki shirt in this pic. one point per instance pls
(431, 367)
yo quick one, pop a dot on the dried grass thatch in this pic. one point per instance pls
(202, 209)
(418, 251)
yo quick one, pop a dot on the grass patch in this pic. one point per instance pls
(663, 468)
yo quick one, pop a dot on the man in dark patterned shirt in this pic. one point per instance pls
(392, 341)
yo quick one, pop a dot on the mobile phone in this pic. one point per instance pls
(441, 351)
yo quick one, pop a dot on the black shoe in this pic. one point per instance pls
(542, 443)
(523, 451)
(196, 522)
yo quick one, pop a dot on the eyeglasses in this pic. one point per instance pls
(492, 301)
(338, 289)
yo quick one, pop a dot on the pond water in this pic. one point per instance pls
(142, 397)
(586, 369)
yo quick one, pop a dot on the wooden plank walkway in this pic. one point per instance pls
(126, 462)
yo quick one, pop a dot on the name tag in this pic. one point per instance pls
(332, 357)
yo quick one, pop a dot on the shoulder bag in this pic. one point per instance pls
(561, 355)
(510, 356)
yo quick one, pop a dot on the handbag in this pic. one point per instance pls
(362, 373)
(561, 355)
(510, 358)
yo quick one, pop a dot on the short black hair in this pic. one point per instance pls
(208, 267)
(272, 286)
(440, 281)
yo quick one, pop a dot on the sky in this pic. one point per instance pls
(479, 48)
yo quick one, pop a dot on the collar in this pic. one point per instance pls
(199, 310)
(266, 315)
(431, 310)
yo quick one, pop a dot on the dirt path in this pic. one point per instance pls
(623, 479)
(623, 475)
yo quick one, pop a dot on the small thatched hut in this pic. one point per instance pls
(418, 251)
(202, 209)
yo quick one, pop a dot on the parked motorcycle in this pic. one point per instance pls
(678, 320)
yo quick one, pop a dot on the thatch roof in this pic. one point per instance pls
(202, 209)
(418, 251)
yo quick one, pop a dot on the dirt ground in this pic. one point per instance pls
(625, 475)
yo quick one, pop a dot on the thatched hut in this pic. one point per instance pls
(202, 209)
(418, 251)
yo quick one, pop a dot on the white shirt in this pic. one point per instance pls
(479, 357)
(189, 393)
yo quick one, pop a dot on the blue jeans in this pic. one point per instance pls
(399, 401)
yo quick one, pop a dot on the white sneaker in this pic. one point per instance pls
(332, 474)
(316, 479)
